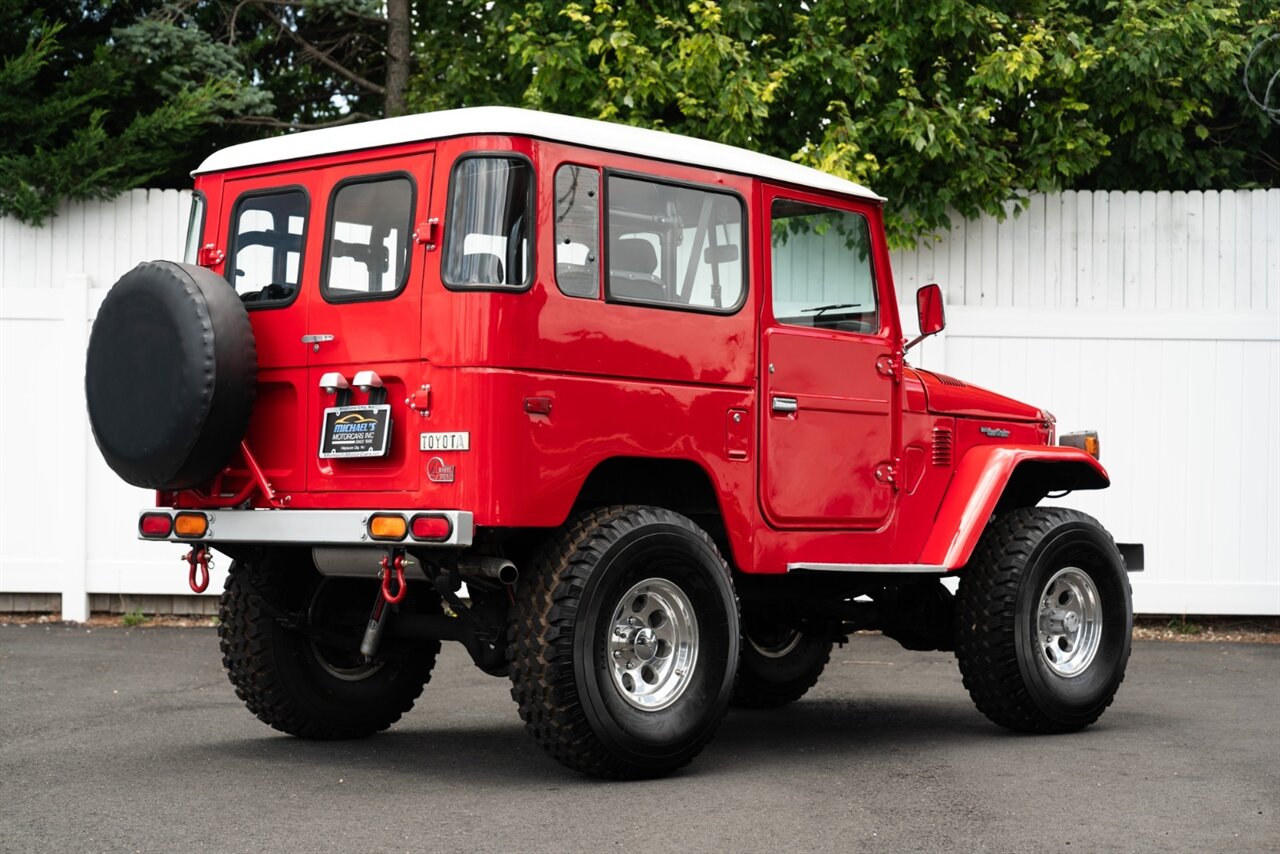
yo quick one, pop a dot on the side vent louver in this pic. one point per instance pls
(941, 446)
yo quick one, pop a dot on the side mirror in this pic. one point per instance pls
(929, 313)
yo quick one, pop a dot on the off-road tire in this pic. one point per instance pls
(777, 669)
(278, 671)
(560, 669)
(997, 644)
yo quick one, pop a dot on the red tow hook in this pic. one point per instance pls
(200, 562)
(396, 566)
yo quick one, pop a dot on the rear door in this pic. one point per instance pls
(365, 316)
(830, 405)
(270, 222)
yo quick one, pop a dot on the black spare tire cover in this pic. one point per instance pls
(171, 375)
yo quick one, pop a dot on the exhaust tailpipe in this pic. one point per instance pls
(489, 567)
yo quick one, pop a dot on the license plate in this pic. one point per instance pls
(355, 431)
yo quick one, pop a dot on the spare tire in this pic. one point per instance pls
(171, 375)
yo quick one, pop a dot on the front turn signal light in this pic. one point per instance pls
(387, 526)
(1085, 440)
(191, 526)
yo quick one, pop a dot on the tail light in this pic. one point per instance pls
(155, 525)
(387, 526)
(431, 528)
(191, 526)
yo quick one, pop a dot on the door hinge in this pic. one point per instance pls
(426, 233)
(210, 256)
(420, 401)
(890, 367)
(887, 472)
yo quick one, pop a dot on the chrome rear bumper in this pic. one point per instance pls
(309, 527)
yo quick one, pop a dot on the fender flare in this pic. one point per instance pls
(985, 475)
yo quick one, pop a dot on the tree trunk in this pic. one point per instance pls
(398, 24)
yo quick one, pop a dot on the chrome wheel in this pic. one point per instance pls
(652, 644)
(1069, 622)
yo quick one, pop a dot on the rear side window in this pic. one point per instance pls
(269, 231)
(367, 250)
(674, 246)
(195, 228)
(578, 231)
(489, 224)
(823, 274)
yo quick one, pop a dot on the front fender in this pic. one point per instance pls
(988, 473)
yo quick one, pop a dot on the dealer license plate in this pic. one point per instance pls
(355, 431)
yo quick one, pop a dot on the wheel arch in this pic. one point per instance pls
(991, 479)
(681, 485)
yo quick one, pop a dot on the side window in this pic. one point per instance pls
(822, 270)
(577, 235)
(367, 251)
(674, 245)
(265, 263)
(195, 228)
(489, 224)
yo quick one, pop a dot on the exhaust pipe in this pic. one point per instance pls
(357, 562)
(489, 567)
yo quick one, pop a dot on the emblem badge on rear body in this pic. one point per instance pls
(994, 432)
(438, 472)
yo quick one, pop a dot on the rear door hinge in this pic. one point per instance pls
(210, 256)
(887, 472)
(420, 401)
(426, 233)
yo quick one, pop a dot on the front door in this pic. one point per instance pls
(830, 401)
(365, 316)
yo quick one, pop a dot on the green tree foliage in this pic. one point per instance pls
(951, 104)
(108, 102)
(947, 104)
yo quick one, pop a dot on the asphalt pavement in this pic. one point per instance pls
(115, 739)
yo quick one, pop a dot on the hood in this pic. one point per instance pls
(949, 396)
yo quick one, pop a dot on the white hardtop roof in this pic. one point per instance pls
(510, 120)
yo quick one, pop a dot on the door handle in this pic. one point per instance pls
(322, 338)
(785, 404)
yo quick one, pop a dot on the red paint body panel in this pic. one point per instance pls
(976, 488)
(956, 397)
(854, 475)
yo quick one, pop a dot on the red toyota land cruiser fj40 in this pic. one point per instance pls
(644, 395)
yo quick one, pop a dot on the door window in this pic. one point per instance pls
(367, 251)
(489, 224)
(265, 263)
(823, 274)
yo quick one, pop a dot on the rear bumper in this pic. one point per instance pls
(308, 527)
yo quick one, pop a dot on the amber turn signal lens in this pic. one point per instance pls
(156, 525)
(190, 525)
(432, 528)
(1086, 441)
(387, 527)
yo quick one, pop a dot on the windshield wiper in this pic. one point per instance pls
(821, 308)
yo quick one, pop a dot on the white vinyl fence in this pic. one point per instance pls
(1152, 317)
